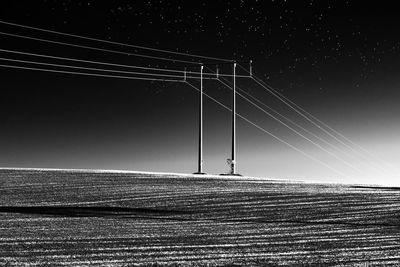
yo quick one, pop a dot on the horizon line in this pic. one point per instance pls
(209, 176)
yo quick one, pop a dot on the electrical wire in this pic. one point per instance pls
(152, 74)
(86, 68)
(118, 65)
(89, 61)
(241, 92)
(272, 135)
(301, 127)
(336, 132)
(103, 70)
(89, 74)
(283, 99)
(352, 166)
(318, 123)
(114, 43)
(97, 49)
(166, 80)
(294, 130)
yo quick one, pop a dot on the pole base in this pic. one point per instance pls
(202, 173)
(231, 174)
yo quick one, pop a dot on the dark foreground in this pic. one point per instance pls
(55, 218)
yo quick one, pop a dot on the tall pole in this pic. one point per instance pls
(233, 156)
(200, 156)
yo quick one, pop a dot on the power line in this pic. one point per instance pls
(97, 49)
(150, 74)
(272, 135)
(284, 117)
(85, 68)
(288, 120)
(299, 126)
(126, 72)
(291, 105)
(89, 74)
(168, 80)
(89, 61)
(335, 131)
(117, 65)
(103, 70)
(114, 43)
(294, 130)
(300, 111)
(288, 126)
(304, 129)
(306, 115)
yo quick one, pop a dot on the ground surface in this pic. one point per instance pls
(80, 218)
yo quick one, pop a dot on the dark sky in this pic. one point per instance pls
(337, 59)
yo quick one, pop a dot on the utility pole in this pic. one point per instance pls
(232, 160)
(233, 156)
(200, 155)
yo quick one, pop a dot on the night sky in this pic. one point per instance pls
(339, 60)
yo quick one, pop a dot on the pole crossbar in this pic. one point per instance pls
(224, 63)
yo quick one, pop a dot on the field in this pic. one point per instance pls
(80, 218)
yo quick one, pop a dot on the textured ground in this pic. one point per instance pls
(80, 218)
